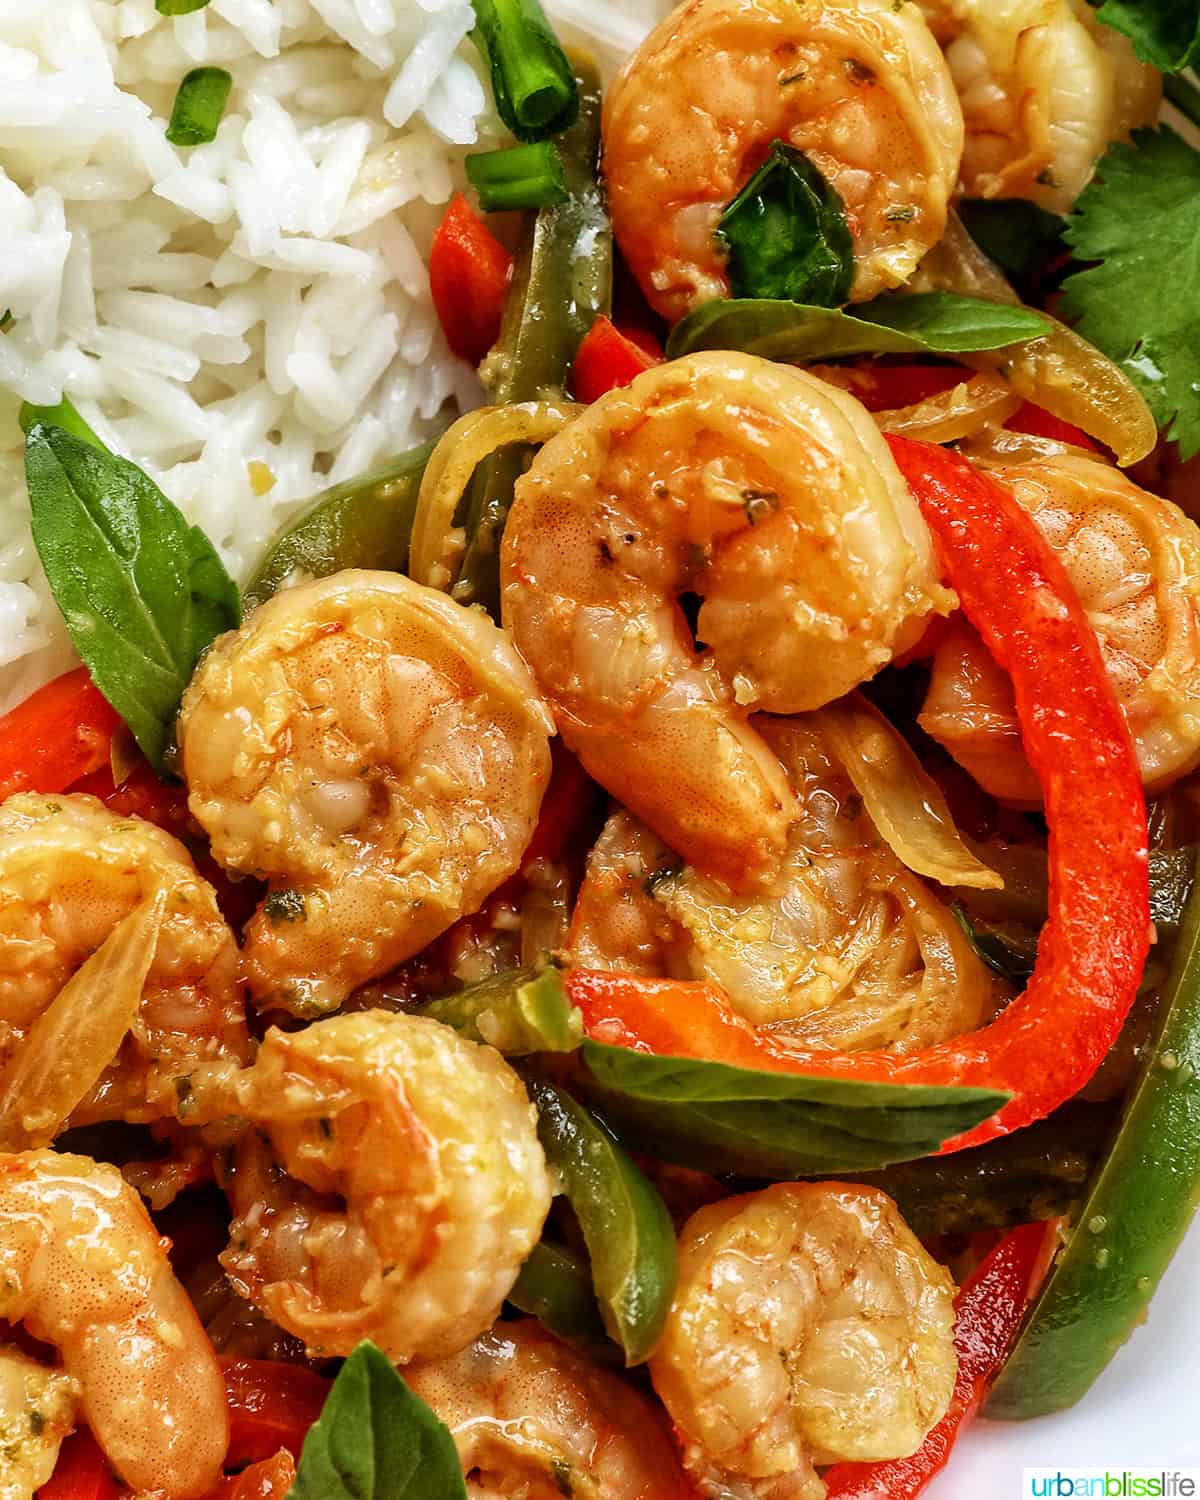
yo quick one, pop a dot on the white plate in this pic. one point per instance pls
(1143, 1411)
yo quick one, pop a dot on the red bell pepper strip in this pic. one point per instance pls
(1046, 1045)
(609, 358)
(1041, 423)
(989, 1311)
(82, 1472)
(61, 733)
(570, 797)
(271, 1406)
(270, 1479)
(468, 278)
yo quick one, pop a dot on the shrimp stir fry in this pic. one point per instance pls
(809, 1326)
(859, 86)
(379, 754)
(1135, 561)
(37, 1410)
(535, 1421)
(771, 495)
(1044, 88)
(83, 1268)
(414, 1189)
(848, 950)
(70, 871)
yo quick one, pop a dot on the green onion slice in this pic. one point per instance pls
(533, 83)
(518, 177)
(199, 105)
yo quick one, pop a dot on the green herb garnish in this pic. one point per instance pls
(198, 107)
(529, 176)
(532, 80)
(786, 234)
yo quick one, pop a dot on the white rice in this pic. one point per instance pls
(262, 300)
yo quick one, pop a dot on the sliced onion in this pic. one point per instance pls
(437, 543)
(79, 1033)
(1062, 372)
(904, 802)
(981, 402)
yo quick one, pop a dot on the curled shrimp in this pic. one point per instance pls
(379, 753)
(70, 872)
(83, 1268)
(845, 949)
(772, 495)
(810, 1326)
(1135, 561)
(859, 86)
(1044, 88)
(535, 1420)
(37, 1410)
(416, 1184)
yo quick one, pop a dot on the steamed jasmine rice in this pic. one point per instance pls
(248, 320)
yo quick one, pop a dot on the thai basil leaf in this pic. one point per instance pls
(1165, 33)
(63, 415)
(920, 323)
(999, 950)
(376, 1440)
(625, 1223)
(1018, 235)
(143, 593)
(786, 234)
(725, 1119)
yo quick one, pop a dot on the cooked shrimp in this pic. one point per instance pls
(859, 86)
(1044, 88)
(1135, 561)
(83, 1268)
(70, 871)
(771, 494)
(379, 753)
(846, 948)
(37, 1410)
(416, 1187)
(535, 1421)
(809, 1326)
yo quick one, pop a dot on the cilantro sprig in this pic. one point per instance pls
(1163, 32)
(1139, 221)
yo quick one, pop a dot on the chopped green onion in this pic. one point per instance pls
(199, 105)
(178, 7)
(518, 177)
(534, 84)
(6, 320)
(63, 415)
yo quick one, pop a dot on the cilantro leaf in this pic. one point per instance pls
(1140, 220)
(1163, 32)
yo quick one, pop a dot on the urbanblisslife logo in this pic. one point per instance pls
(1112, 1484)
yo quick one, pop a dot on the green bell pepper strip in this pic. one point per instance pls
(625, 1224)
(1038, 1173)
(561, 282)
(1132, 1220)
(364, 523)
(518, 1012)
(555, 1287)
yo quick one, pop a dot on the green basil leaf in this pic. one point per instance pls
(721, 1118)
(786, 233)
(1165, 33)
(625, 1223)
(556, 1288)
(142, 592)
(1003, 953)
(518, 1012)
(63, 415)
(1018, 235)
(920, 323)
(376, 1440)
